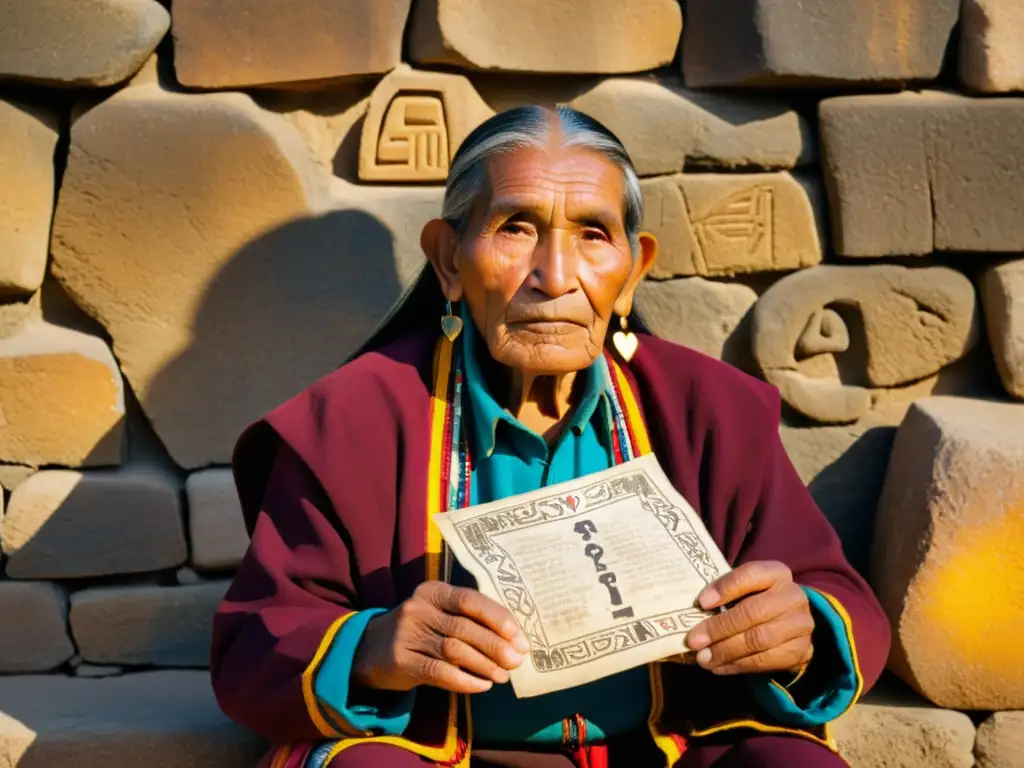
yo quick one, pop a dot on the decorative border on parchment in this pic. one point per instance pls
(476, 534)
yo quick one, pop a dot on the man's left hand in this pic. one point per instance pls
(766, 628)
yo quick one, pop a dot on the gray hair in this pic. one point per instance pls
(532, 127)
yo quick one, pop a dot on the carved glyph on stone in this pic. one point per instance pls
(910, 323)
(414, 140)
(717, 224)
(415, 123)
(947, 564)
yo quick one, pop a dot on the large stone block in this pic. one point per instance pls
(62, 524)
(229, 269)
(888, 326)
(895, 730)
(238, 43)
(28, 138)
(159, 626)
(728, 224)
(35, 634)
(779, 42)
(1000, 742)
(947, 561)
(699, 314)
(602, 36)
(1002, 294)
(217, 529)
(991, 47)
(78, 42)
(913, 173)
(61, 396)
(155, 719)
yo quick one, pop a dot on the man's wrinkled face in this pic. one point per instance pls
(546, 263)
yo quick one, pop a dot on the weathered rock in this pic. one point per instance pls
(415, 123)
(35, 634)
(777, 42)
(13, 475)
(78, 42)
(161, 626)
(991, 54)
(665, 127)
(887, 730)
(156, 719)
(218, 535)
(229, 271)
(61, 396)
(1000, 742)
(699, 314)
(62, 524)
(947, 562)
(602, 37)
(238, 43)
(1002, 294)
(28, 138)
(727, 224)
(907, 325)
(913, 173)
(95, 671)
(187, 577)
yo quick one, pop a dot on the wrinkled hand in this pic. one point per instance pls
(767, 628)
(448, 637)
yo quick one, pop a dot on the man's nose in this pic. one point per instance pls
(555, 264)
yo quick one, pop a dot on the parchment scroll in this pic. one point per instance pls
(602, 573)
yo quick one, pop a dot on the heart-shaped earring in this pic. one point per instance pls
(625, 342)
(451, 325)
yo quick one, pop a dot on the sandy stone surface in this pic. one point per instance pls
(230, 271)
(61, 396)
(908, 325)
(947, 562)
(571, 36)
(35, 635)
(156, 719)
(912, 173)
(63, 524)
(776, 43)
(217, 530)
(239, 43)
(162, 626)
(699, 314)
(1002, 294)
(896, 730)
(991, 47)
(728, 224)
(28, 138)
(78, 42)
(1000, 742)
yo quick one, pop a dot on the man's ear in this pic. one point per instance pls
(642, 263)
(440, 244)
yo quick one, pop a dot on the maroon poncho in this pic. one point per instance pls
(345, 527)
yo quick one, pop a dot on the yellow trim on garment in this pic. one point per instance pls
(438, 415)
(281, 757)
(636, 420)
(848, 625)
(308, 695)
(664, 741)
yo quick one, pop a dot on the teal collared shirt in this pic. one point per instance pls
(509, 458)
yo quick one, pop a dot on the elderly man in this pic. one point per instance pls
(341, 642)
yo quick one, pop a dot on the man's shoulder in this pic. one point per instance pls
(709, 383)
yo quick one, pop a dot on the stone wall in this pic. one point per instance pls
(205, 205)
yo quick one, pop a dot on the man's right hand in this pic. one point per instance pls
(448, 637)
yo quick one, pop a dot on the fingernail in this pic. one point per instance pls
(697, 640)
(513, 660)
(520, 643)
(704, 657)
(709, 598)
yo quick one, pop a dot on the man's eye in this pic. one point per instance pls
(513, 228)
(594, 234)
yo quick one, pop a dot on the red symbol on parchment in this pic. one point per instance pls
(572, 501)
(666, 625)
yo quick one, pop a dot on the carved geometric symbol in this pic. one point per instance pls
(737, 232)
(414, 138)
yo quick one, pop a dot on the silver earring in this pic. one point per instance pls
(625, 341)
(451, 325)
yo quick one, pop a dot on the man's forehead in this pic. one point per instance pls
(528, 176)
